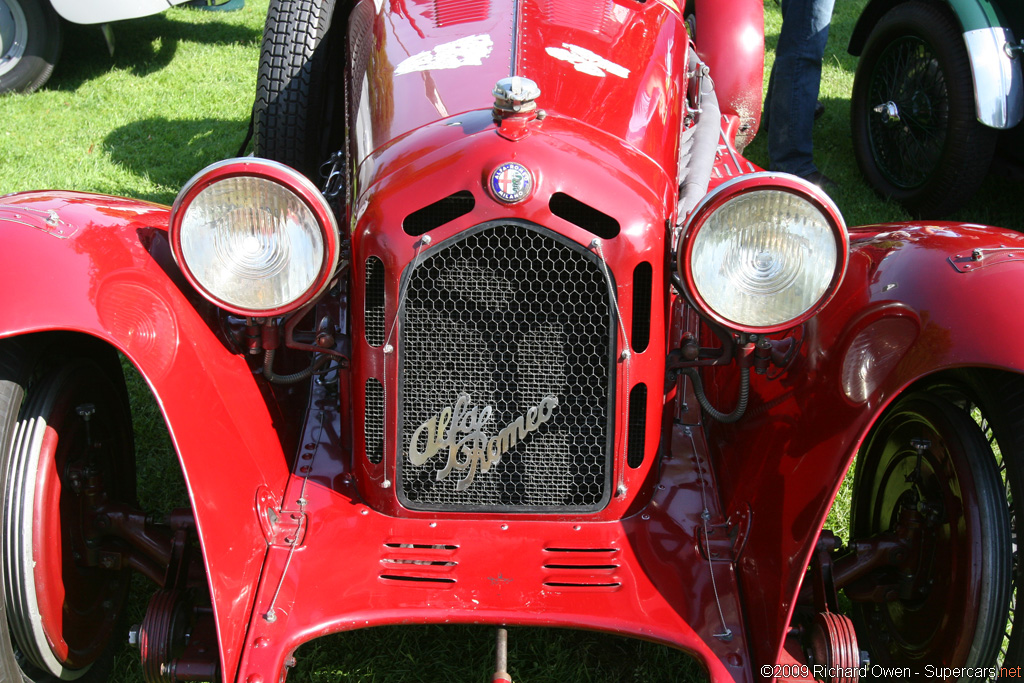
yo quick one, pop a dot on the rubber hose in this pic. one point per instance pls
(706, 135)
(713, 413)
(268, 369)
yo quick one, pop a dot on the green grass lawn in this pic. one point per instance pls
(175, 97)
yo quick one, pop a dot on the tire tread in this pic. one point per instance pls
(292, 67)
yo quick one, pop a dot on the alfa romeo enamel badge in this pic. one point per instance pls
(511, 182)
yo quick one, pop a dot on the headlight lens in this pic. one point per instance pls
(763, 252)
(254, 237)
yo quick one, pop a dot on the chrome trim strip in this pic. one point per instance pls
(998, 79)
(513, 69)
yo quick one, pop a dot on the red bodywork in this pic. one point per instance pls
(703, 546)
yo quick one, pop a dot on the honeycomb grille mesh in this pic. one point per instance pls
(512, 317)
(373, 306)
(373, 409)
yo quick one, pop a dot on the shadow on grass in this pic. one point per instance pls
(168, 152)
(142, 46)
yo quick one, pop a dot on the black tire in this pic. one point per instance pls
(995, 402)
(299, 86)
(964, 478)
(30, 40)
(936, 154)
(44, 442)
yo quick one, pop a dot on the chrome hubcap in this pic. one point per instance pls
(889, 113)
(13, 34)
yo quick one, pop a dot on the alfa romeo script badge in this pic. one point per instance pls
(511, 182)
(461, 430)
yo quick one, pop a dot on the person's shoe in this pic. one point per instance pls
(215, 6)
(821, 180)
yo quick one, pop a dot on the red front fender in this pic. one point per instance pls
(100, 266)
(918, 296)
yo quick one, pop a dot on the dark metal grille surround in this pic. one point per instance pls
(513, 316)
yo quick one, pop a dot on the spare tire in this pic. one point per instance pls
(297, 90)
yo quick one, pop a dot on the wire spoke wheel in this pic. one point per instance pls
(908, 80)
(916, 135)
(1002, 427)
(70, 451)
(948, 598)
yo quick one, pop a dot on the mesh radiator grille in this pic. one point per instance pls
(509, 328)
(373, 410)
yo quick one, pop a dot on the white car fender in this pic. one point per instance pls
(998, 79)
(104, 11)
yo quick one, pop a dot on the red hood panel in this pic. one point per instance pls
(617, 67)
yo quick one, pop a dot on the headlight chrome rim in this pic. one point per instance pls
(291, 181)
(739, 187)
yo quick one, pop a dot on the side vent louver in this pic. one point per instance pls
(374, 411)
(585, 216)
(581, 570)
(423, 564)
(642, 275)
(437, 214)
(455, 12)
(373, 314)
(637, 426)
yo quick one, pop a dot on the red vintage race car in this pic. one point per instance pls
(500, 327)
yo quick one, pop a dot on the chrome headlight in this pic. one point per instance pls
(254, 236)
(763, 252)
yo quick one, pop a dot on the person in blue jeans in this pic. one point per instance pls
(789, 107)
